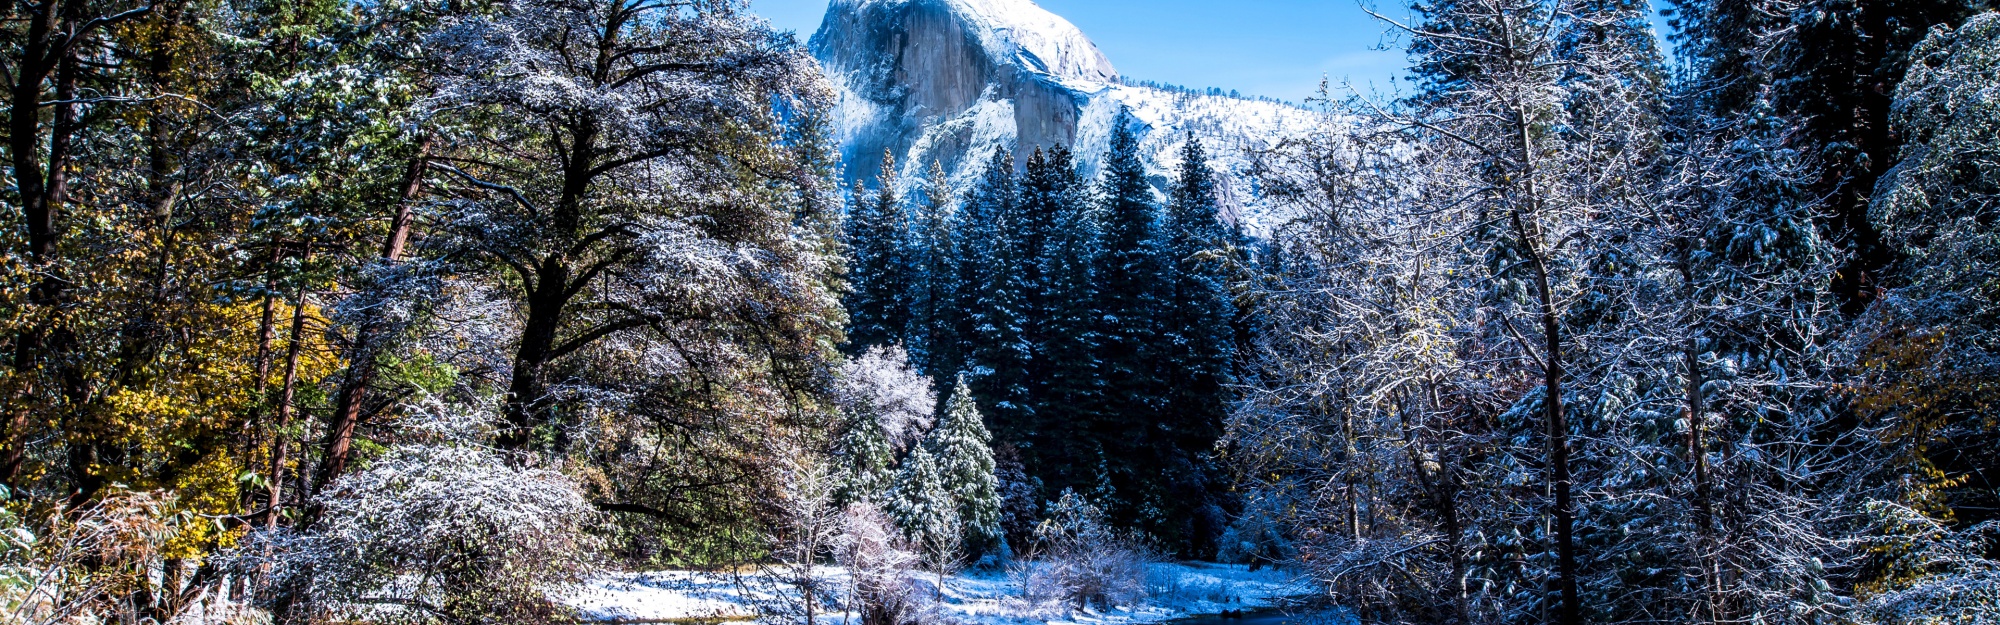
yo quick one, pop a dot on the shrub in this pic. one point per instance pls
(434, 534)
(878, 559)
(1083, 561)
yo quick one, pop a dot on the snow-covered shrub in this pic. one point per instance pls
(1256, 538)
(808, 527)
(435, 534)
(1933, 574)
(878, 560)
(1083, 560)
(1174, 587)
(214, 610)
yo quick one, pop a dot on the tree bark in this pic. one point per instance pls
(548, 297)
(346, 414)
(47, 50)
(1697, 451)
(38, 208)
(1571, 612)
(280, 443)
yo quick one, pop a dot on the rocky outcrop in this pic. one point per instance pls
(950, 81)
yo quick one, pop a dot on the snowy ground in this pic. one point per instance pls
(982, 598)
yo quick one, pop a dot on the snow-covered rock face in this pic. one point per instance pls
(950, 81)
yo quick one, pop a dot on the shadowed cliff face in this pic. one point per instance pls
(951, 81)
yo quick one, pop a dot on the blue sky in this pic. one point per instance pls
(1277, 48)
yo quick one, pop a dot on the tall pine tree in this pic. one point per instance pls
(1199, 341)
(933, 295)
(1131, 280)
(1065, 328)
(991, 296)
(879, 279)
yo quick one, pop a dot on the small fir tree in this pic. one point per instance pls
(926, 512)
(961, 447)
(866, 461)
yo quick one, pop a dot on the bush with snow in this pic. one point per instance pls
(1082, 561)
(435, 534)
(1933, 573)
(879, 560)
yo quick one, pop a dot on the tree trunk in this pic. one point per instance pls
(346, 414)
(40, 199)
(1571, 612)
(1697, 453)
(280, 443)
(548, 297)
(266, 335)
(526, 401)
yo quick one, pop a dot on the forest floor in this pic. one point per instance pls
(1173, 591)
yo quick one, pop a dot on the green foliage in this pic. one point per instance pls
(960, 444)
(866, 461)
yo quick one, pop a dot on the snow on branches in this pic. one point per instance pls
(435, 534)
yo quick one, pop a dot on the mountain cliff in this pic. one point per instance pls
(950, 81)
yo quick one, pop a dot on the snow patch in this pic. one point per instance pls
(1174, 591)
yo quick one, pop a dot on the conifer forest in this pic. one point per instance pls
(442, 312)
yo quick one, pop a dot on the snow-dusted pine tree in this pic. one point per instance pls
(1062, 450)
(933, 332)
(1130, 286)
(1928, 350)
(865, 460)
(926, 512)
(878, 267)
(961, 447)
(991, 292)
(1199, 346)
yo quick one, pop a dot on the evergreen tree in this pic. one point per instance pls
(1744, 307)
(1042, 196)
(1937, 207)
(866, 461)
(990, 295)
(879, 269)
(1724, 45)
(1199, 341)
(1067, 387)
(923, 509)
(961, 446)
(1199, 309)
(934, 280)
(1836, 71)
(1131, 280)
